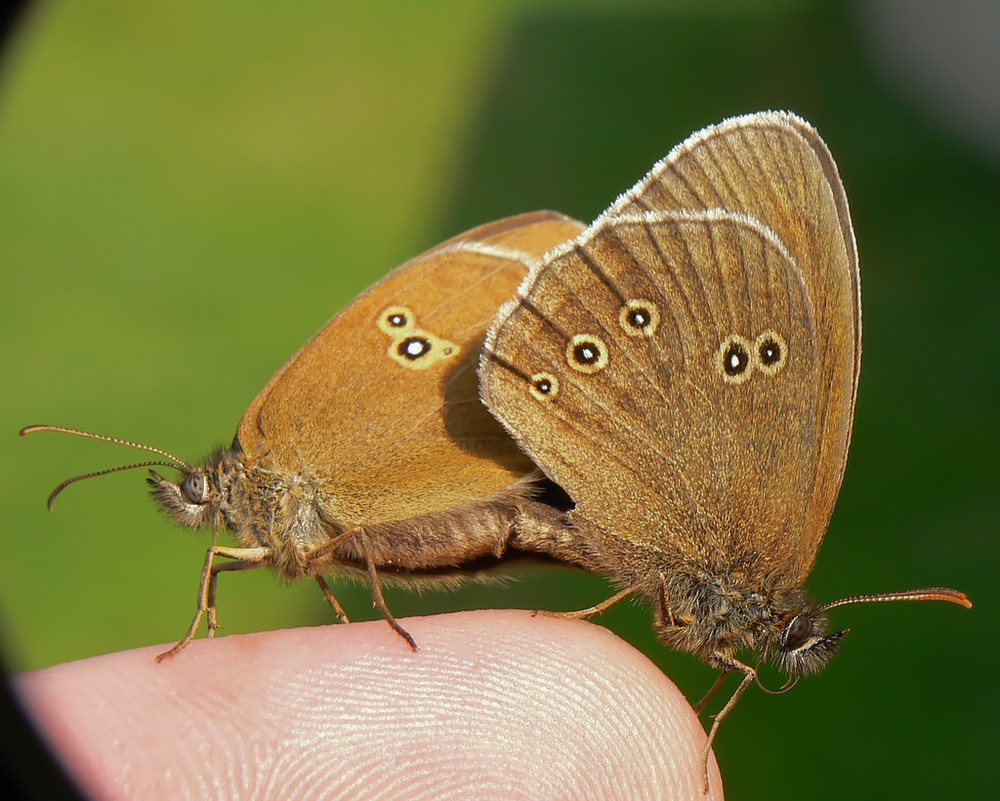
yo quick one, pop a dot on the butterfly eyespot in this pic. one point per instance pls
(587, 353)
(732, 359)
(639, 318)
(413, 348)
(395, 320)
(771, 352)
(195, 488)
(544, 386)
(418, 349)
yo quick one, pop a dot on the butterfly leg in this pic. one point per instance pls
(665, 617)
(590, 611)
(243, 559)
(666, 610)
(332, 600)
(711, 692)
(749, 675)
(326, 553)
(377, 597)
(318, 555)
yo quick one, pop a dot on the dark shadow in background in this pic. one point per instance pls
(11, 16)
(580, 106)
(27, 769)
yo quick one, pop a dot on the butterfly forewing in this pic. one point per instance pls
(658, 432)
(396, 415)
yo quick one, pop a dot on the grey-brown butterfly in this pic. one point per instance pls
(369, 452)
(686, 369)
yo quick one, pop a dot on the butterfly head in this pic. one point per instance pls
(718, 615)
(195, 499)
(804, 647)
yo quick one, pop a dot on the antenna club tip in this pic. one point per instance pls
(955, 596)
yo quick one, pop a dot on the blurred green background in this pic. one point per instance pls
(189, 190)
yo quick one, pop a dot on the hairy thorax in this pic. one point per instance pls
(274, 509)
(718, 613)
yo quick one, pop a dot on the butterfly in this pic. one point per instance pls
(686, 369)
(369, 453)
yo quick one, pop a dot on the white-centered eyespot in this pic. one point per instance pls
(544, 386)
(587, 353)
(396, 320)
(770, 352)
(733, 360)
(639, 318)
(420, 349)
(413, 348)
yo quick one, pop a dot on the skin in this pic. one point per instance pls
(496, 704)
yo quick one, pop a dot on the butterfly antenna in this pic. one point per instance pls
(68, 481)
(925, 594)
(174, 462)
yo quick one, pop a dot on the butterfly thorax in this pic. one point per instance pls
(707, 613)
(260, 505)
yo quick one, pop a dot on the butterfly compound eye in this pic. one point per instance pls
(195, 488)
(797, 633)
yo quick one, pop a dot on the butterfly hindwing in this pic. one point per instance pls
(774, 167)
(608, 371)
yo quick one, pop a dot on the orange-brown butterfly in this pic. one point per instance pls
(686, 370)
(370, 451)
